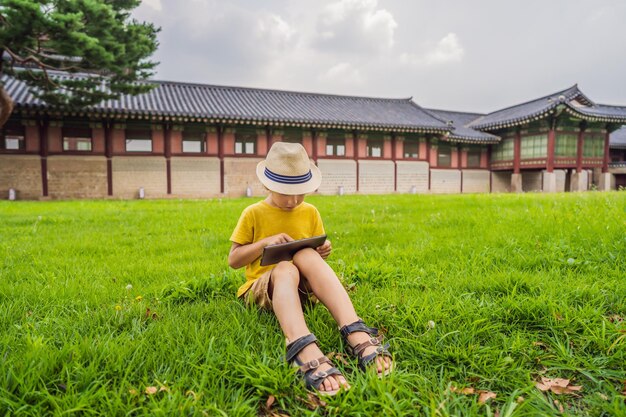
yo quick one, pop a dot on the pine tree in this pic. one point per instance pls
(105, 51)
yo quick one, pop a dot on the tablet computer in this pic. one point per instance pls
(273, 254)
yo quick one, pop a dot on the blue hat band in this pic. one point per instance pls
(287, 179)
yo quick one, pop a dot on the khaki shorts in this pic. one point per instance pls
(258, 293)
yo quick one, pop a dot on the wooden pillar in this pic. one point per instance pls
(167, 139)
(517, 151)
(394, 144)
(551, 145)
(579, 147)
(108, 151)
(43, 153)
(220, 154)
(605, 160)
(314, 142)
(355, 140)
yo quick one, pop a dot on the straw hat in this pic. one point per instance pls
(287, 169)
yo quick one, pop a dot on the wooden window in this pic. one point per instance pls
(138, 140)
(194, 141)
(245, 142)
(565, 144)
(335, 146)
(13, 138)
(593, 146)
(534, 146)
(77, 139)
(375, 148)
(444, 155)
(473, 157)
(411, 149)
(503, 151)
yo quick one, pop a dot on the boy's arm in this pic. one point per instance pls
(242, 255)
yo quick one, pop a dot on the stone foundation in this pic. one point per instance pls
(76, 176)
(23, 174)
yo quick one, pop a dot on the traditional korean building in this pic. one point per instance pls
(617, 164)
(193, 140)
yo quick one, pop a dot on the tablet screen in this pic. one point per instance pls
(273, 254)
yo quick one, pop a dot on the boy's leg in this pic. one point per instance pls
(286, 305)
(328, 289)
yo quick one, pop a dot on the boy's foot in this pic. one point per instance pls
(316, 368)
(365, 343)
(383, 363)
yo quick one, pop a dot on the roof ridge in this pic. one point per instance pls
(536, 99)
(274, 90)
(611, 105)
(457, 111)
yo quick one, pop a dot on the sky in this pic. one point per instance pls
(476, 56)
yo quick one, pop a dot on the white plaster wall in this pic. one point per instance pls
(376, 177)
(445, 181)
(194, 176)
(412, 173)
(336, 173)
(475, 181)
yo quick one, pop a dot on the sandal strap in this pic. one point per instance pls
(314, 364)
(358, 326)
(314, 380)
(374, 341)
(364, 361)
(295, 347)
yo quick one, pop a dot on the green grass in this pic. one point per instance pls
(518, 287)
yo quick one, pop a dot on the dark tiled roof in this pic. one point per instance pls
(572, 100)
(617, 139)
(459, 121)
(249, 105)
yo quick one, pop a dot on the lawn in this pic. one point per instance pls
(128, 308)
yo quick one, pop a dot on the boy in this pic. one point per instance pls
(283, 216)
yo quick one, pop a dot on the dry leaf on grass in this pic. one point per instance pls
(520, 399)
(151, 314)
(464, 391)
(151, 390)
(614, 318)
(557, 385)
(483, 396)
(132, 391)
(559, 406)
(266, 409)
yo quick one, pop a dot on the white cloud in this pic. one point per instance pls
(447, 50)
(342, 72)
(354, 26)
(274, 31)
(155, 4)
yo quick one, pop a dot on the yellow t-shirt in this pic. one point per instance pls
(260, 220)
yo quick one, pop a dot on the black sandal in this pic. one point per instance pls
(312, 379)
(375, 340)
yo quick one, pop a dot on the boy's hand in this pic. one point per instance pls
(276, 239)
(325, 249)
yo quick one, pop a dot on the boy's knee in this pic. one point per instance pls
(286, 272)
